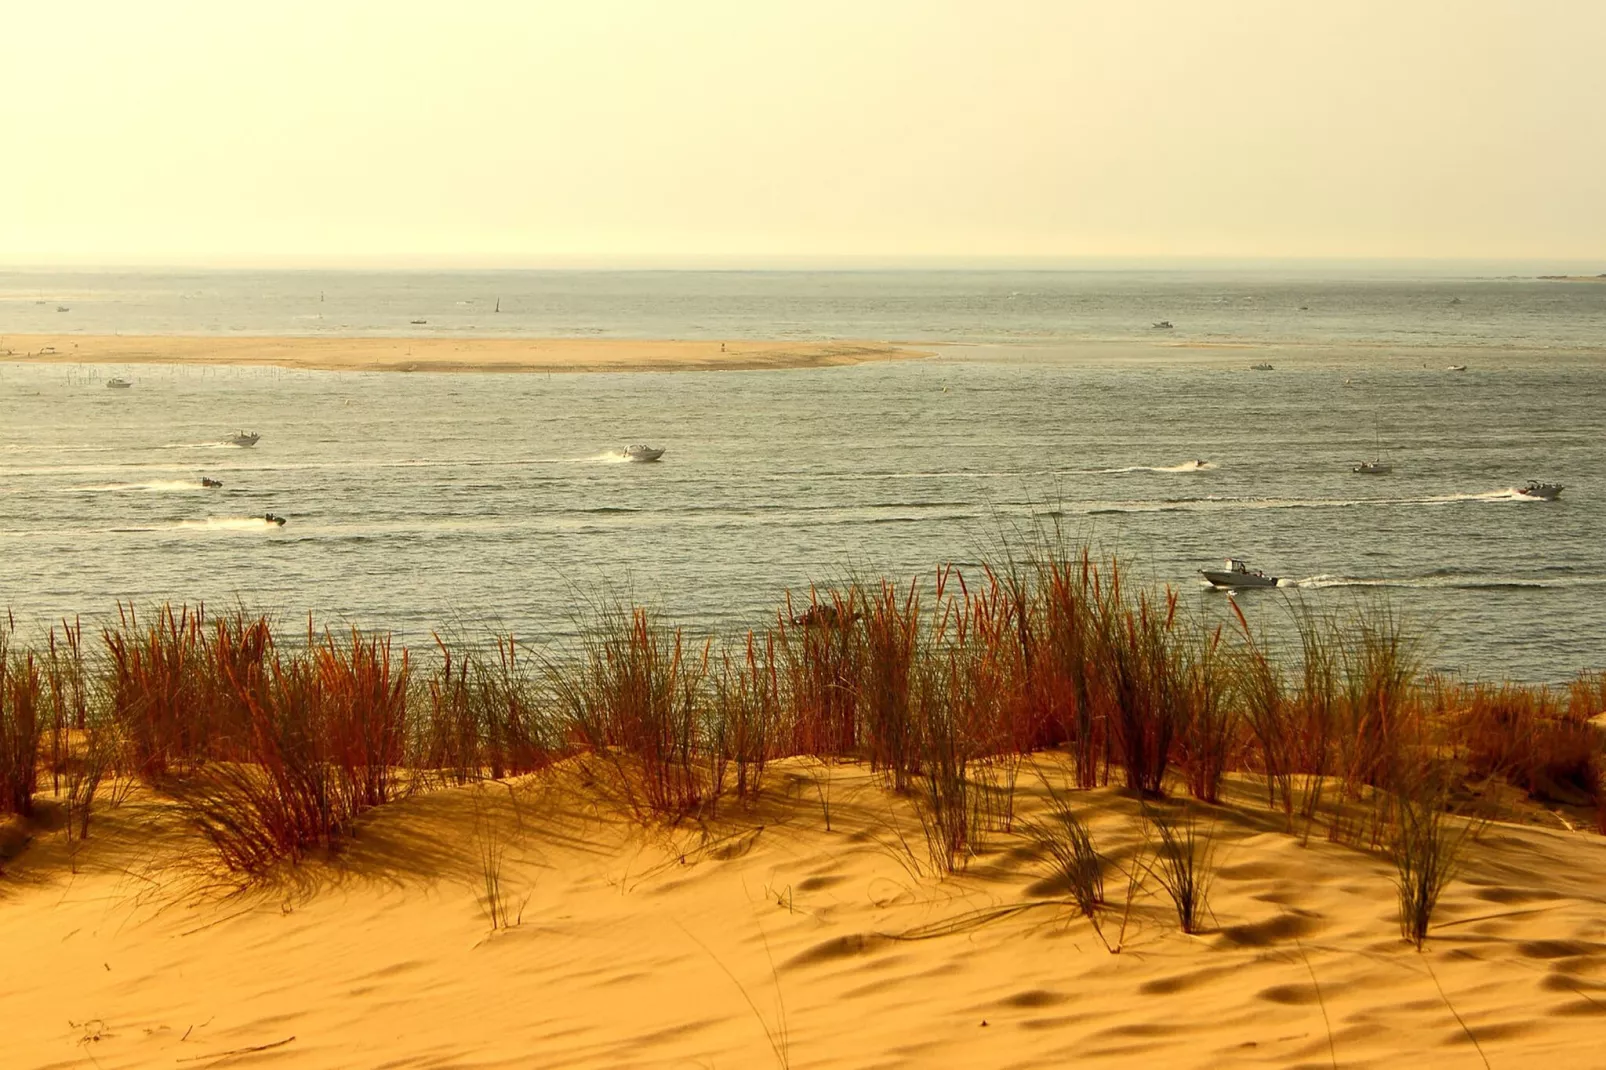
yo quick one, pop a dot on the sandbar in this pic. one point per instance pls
(432, 354)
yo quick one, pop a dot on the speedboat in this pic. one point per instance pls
(271, 519)
(1236, 575)
(1262, 367)
(1456, 368)
(244, 438)
(209, 482)
(1163, 325)
(1534, 489)
(641, 453)
(119, 384)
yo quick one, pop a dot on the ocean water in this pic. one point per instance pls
(424, 502)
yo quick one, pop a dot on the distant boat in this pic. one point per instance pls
(418, 323)
(63, 308)
(119, 384)
(1456, 368)
(641, 453)
(1163, 325)
(1377, 466)
(271, 519)
(1237, 574)
(207, 482)
(243, 438)
(1534, 489)
(1261, 367)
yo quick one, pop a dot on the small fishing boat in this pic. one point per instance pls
(270, 518)
(1163, 325)
(1261, 367)
(1377, 466)
(641, 453)
(118, 384)
(244, 438)
(209, 482)
(418, 323)
(1236, 575)
(1545, 491)
(1456, 368)
(63, 308)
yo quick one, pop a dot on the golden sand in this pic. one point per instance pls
(447, 354)
(764, 940)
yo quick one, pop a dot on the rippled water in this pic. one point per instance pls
(416, 501)
(949, 305)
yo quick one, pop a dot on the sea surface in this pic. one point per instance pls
(418, 503)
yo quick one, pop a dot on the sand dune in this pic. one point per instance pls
(449, 354)
(765, 940)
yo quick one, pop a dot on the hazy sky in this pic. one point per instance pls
(614, 131)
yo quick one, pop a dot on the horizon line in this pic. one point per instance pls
(402, 264)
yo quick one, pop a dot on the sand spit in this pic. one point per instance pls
(762, 939)
(448, 354)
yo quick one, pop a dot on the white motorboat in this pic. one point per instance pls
(244, 438)
(641, 453)
(1456, 368)
(119, 384)
(1237, 574)
(1534, 489)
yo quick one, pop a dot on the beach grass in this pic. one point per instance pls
(275, 740)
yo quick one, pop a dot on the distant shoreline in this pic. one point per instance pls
(571, 355)
(449, 354)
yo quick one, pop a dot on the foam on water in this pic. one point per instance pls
(1185, 466)
(150, 486)
(227, 523)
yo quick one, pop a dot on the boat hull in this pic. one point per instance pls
(1222, 578)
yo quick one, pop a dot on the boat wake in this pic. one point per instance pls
(1447, 581)
(1186, 466)
(1509, 494)
(1210, 503)
(156, 486)
(228, 523)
